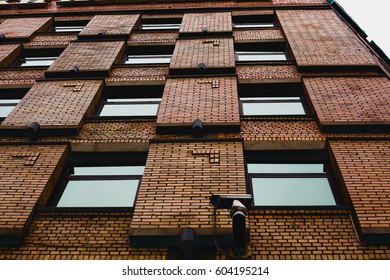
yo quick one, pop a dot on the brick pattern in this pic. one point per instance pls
(139, 74)
(151, 37)
(214, 22)
(257, 35)
(178, 194)
(251, 12)
(319, 37)
(276, 236)
(27, 173)
(55, 104)
(350, 100)
(50, 40)
(110, 25)
(24, 27)
(9, 53)
(89, 56)
(267, 72)
(365, 168)
(298, 2)
(20, 77)
(80, 238)
(215, 53)
(186, 99)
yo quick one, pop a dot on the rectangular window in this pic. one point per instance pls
(160, 26)
(272, 106)
(130, 107)
(7, 105)
(148, 59)
(254, 25)
(254, 21)
(65, 26)
(36, 61)
(261, 56)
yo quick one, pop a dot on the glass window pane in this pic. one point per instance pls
(268, 98)
(110, 110)
(269, 108)
(5, 110)
(9, 101)
(133, 99)
(99, 193)
(261, 56)
(148, 59)
(254, 25)
(68, 28)
(158, 26)
(37, 61)
(292, 192)
(285, 168)
(109, 170)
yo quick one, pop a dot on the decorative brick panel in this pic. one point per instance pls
(20, 77)
(9, 53)
(320, 38)
(213, 100)
(365, 170)
(350, 101)
(137, 74)
(257, 35)
(27, 176)
(151, 37)
(267, 72)
(179, 179)
(214, 22)
(24, 28)
(215, 53)
(55, 104)
(88, 57)
(284, 235)
(100, 237)
(50, 40)
(110, 25)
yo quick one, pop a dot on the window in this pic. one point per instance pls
(148, 58)
(261, 56)
(36, 61)
(101, 181)
(282, 182)
(69, 26)
(160, 23)
(254, 21)
(7, 105)
(135, 101)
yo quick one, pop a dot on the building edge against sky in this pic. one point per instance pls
(191, 130)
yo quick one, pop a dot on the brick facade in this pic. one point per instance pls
(257, 35)
(213, 22)
(9, 53)
(24, 28)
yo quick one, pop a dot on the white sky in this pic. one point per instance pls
(373, 16)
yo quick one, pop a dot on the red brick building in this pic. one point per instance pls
(129, 127)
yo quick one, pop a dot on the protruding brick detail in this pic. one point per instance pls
(252, 12)
(27, 177)
(24, 28)
(110, 25)
(215, 53)
(20, 77)
(185, 179)
(349, 100)
(263, 72)
(257, 35)
(137, 74)
(9, 53)
(100, 237)
(365, 170)
(320, 38)
(58, 104)
(89, 56)
(153, 37)
(288, 235)
(186, 99)
(50, 40)
(214, 22)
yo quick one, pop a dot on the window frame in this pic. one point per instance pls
(160, 22)
(38, 55)
(8, 104)
(155, 51)
(262, 48)
(251, 19)
(12, 94)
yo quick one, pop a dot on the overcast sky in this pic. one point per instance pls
(373, 16)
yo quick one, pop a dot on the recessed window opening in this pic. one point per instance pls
(7, 105)
(254, 21)
(261, 56)
(36, 61)
(148, 59)
(160, 24)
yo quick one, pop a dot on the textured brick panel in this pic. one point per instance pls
(20, 77)
(213, 100)
(137, 74)
(153, 37)
(27, 175)
(215, 53)
(286, 236)
(24, 28)
(365, 168)
(178, 194)
(9, 53)
(298, 2)
(267, 72)
(214, 22)
(257, 35)
(350, 101)
(50, 40)
(320, 38)
(80, 238)
(61, 104)
(110, 25)
(89, 56)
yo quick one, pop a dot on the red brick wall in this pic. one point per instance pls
(213, 100)
(257, 35)
(27, 175)
(24, 27)
(9, 53)
(365, 170)
(349, 100)
(141, 37)
(264, 72)
(214, 22)
(50, 40)
(55, 104)
(320, 38)
(20, 77)
(137, 74)
(179, 179)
